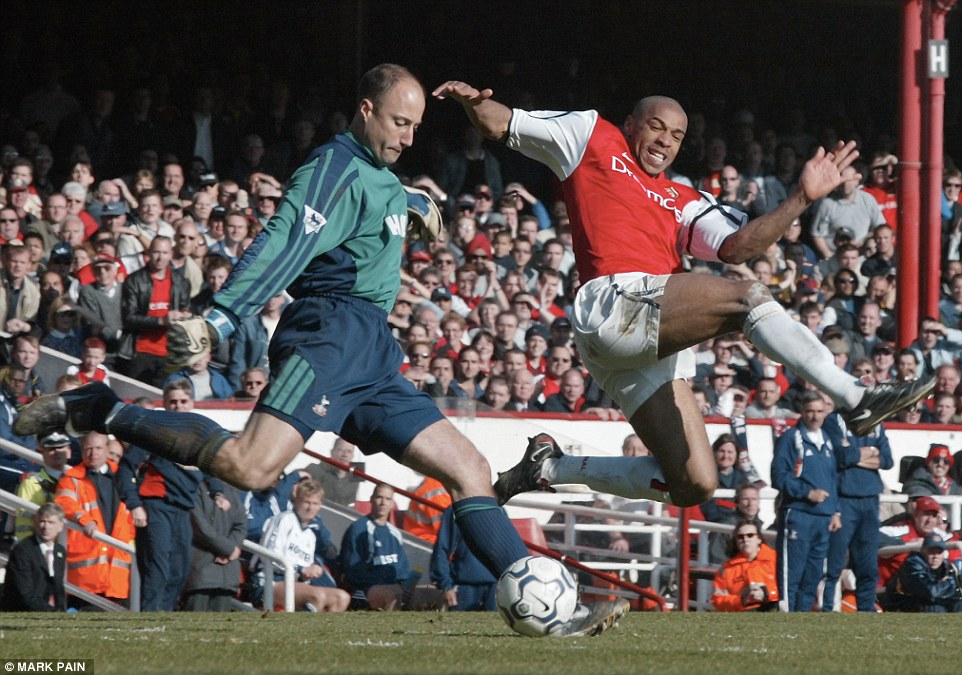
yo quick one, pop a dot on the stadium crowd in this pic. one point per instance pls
(124, 210)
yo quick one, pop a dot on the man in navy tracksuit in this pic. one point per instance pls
(805, 473)
(466, 583)
(160, 495)
(859, 459)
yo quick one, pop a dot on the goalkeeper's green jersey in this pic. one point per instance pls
(339, 230)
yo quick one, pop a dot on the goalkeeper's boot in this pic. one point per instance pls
(593, 618)
(527, 475)
(882, 400)
(77, 411)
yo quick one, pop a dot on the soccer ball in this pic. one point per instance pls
(536, 596)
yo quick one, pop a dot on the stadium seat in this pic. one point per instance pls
(530, 532)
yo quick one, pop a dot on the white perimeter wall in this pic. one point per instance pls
(503, 439)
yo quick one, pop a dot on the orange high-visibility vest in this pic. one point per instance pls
(92, 564)
(423, 521)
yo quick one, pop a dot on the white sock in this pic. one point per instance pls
(630, 477)
(774, 332)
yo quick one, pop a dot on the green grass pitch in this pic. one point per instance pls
(426, 643)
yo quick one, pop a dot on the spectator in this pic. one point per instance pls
(847, 207)
(506, 334)
(172, 177)
(39, 487)
(136, 238)
(418, 371)
(373, 559)
(925, 519)
(88, 495)
(522, 252)
(219, 527)
(950, 308)
(733, 193)
(453, 327)
(253, 380)
(102, 302)
(882, 185)
(746, 581)
(932, 478)
(535, 347)
(160, 495)
(34, 576)
(236, 231)
(855, 543)
(471, 160)
(206, 384)
(55, 213)
(26, 355)
(13, 381)
(522, 386)
(936, 345)
(289, 534)
(216, 271)
(19, 295)
(845, 302)
(261, 505)
(469, 377)
(926, 582)
(63, 332)
(424, 521)
(747, 503)
(765, 403)
(340, 485)
(152, 298)
(943, 409)
(882, 262)
(467, 585)
(9, 226)
(570, 398)
(444, 385)
(883, 361)
(729, 478)
(865, 336)
(805, 473)
(497, 395)
(560, 360)
(91, 367)
(186, 238)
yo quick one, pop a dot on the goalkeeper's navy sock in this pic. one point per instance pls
(185, 438)
(489, 533)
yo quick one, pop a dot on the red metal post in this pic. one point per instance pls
(684, 560)
(909, 154)
(932, 164)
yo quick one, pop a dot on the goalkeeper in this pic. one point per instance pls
(335, 245)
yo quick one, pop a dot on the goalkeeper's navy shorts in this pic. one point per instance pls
(335, 367)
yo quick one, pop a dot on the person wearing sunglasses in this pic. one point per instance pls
(932, 478)
(746, 581)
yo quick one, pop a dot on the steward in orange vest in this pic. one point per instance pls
(88, 497)
(423, 521)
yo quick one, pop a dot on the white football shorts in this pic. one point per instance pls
(615, 325)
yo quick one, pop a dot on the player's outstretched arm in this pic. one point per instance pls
(489, 116)
(820, 176)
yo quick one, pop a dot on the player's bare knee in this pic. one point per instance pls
(245, 472)
(473, 474)
(698, 490)
(691, 496)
